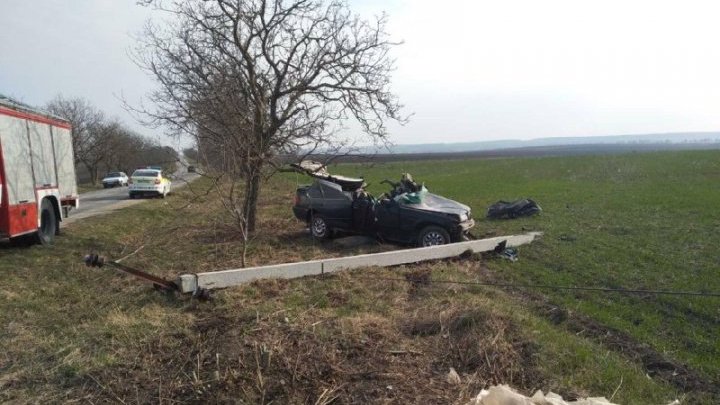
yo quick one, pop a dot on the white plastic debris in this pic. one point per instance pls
(453, 377)
(504, 395)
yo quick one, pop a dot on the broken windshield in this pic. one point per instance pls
(413, 198)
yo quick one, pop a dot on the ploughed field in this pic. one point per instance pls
(635, 221)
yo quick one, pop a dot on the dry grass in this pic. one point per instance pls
(77, 335)
(259, 345)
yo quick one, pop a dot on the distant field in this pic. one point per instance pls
(641, 221)
(524, 151)
(381, 335)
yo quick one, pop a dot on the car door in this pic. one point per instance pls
(336, 205)
(388, 219)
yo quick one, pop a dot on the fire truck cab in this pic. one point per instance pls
(37, 172)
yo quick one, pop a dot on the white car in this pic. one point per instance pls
(144, 182)
(115, 179)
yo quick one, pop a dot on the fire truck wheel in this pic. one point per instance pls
(48, 224)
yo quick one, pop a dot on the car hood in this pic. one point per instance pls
(435, 203)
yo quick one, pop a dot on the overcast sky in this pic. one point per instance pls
(468, 70)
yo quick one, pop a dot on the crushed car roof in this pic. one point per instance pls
(319, 171)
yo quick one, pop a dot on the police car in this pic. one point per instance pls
(148, 182)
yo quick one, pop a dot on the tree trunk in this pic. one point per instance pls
(252, 192)
(95, 171)
(92, 171)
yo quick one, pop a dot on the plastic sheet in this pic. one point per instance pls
(504, 395)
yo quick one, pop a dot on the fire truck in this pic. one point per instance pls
(37, 172)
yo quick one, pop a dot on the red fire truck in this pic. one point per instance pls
(37, 172)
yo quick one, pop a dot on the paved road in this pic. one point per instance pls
(99, 202)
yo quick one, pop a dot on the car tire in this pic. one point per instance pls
(48, 224)
(433, 236)
(319, 227)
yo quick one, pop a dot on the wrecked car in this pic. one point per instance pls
(408, 213)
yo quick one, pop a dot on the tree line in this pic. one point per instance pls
(102, 144)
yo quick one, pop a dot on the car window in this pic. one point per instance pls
(334, 193)
(314, 191)
(114, 174)
(146, 173)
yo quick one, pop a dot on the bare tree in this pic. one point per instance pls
(82, 116)
(129, 150)
(103, 144)
(191, 153)
(100, 148)
(251, 79)
(87, 122)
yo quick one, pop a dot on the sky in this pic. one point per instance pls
(467, 70)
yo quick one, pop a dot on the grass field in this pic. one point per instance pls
(645, 221)
(640, 221)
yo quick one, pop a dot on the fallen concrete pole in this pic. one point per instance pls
(227, 278)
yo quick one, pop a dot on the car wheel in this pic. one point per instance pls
(319, 227)
(433, 236)
(48, 223)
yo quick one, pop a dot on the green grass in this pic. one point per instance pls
(74, 333)
(641, 221)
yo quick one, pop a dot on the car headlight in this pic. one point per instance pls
(463, 217)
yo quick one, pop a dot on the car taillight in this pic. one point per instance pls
(157, 181)
(296, 200)
(129, 181)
